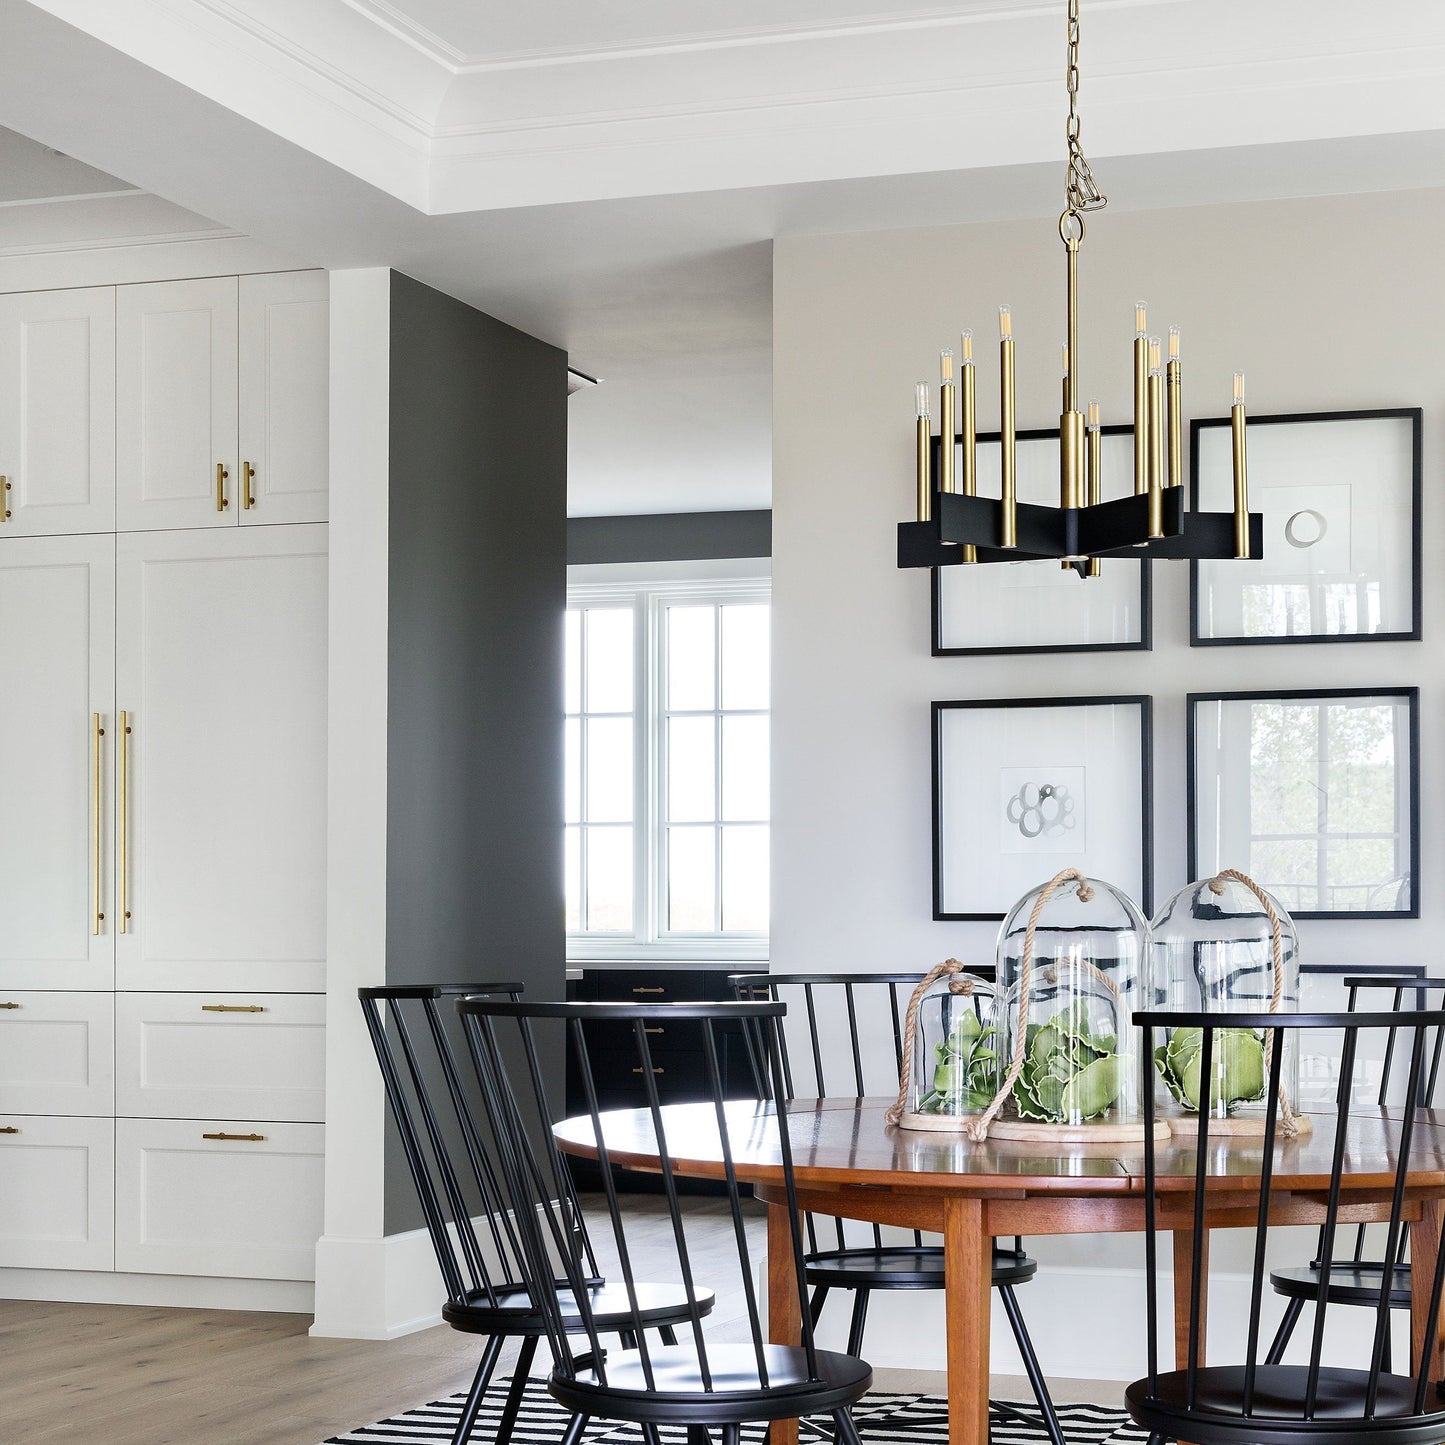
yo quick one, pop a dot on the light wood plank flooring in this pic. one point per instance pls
(71, 1374)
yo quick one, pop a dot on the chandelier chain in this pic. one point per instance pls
(1081, 193)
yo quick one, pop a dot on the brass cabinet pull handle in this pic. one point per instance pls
(248, 498)
(4, 499)
(244, 1138)
(232, 1008)
(652, 1031)
(655, 1071)
(97, 915)
(9, 1129)
(649, 990)
(8, 1004)
(122, 811)
(221, 474)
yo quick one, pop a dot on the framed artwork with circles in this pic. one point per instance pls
(1025, 786)
(1340, 494)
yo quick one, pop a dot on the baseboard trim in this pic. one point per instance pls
(174, 1291)
(376, 1289)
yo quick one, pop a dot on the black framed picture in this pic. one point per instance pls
(1340, 494)
(1037, 606)
(1023, 787)
(1314, 793)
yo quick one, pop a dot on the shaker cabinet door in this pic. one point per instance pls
(57, 659)
(284, 380)
(176, 404)
(57, 412)
(221, 844)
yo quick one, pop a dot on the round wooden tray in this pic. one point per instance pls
(1037, 1133)
(1248, 1126)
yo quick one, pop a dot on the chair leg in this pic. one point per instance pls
(860, 1319)
(1286, 1329)
(480, 1381)
(698, 1435)
(732, 1434)
(844, 1430)
(669, 1335)
(1031, 1364)
(815, 1305)
(514, 1395)
(575, 1426)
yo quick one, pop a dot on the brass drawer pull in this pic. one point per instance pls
(248, 498)
(4, 499)
(122, 812)
(651, 1031)
(8, 1004)
(232, 1008)
(222, 501)
(97, 911)
(245, 1138)
(649, 990)
(655, 1071)
(9, 1129)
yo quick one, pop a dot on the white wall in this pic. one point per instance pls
(1326, 304)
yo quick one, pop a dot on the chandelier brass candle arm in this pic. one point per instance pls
(1241, 470)
(1095, 472)
(1156, 442)
(1174, 388)
(968, 399)
(924, 434)
(947, 423)
(1141, 399)
(1008, 430)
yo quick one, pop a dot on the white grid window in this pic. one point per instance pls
(667, 826)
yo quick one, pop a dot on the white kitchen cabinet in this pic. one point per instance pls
(284, 385)
(57, 1053)
(57, 660)
(57, 412)
(239, 1055)
(221, 671)
(176, 418)
(218, 1197)
(57, 1203)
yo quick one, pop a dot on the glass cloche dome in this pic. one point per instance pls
(955, 1054)
(1076, 993)
(1213, 950)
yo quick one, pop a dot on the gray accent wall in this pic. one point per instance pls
(669, 537)
(478, 501)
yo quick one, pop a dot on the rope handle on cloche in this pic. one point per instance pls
(1287, 1122)
(977, 1129)
(952, 970)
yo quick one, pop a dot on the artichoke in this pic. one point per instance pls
(964, 1068)
(1237, 1066)
(1068, 1073)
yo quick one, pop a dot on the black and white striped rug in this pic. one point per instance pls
(882, 1419)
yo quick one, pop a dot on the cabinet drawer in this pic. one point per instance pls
(241, 1208)
(647, 985)
(57, 1207)
(57, 1053)
(200, 1055)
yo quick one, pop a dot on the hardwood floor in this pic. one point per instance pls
(118, 1375)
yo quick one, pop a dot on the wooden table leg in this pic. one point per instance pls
(968, 1280)
(785, 1319)
(1425, 1334)
(1184, 1247)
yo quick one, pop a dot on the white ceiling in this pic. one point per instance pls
(610, 176)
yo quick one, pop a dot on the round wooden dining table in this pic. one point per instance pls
(849, 1162)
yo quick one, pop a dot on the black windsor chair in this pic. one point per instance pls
(840, 1000)
(711, 1379)
(1356, 1280)
(1259, 1403)
(452, 1163)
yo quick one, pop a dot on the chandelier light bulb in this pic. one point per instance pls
(1153, 356)
(965, 347)
(1173, 343)
(1239, 388)
(1005, 324)
(1141, 319)
(922, 397)
(1065, 361)
(1094, 416)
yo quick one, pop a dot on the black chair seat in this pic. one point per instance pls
(903, 1267)
(514, 1313)
(1279, 1393)
(1352, 1282)
(678, 1393)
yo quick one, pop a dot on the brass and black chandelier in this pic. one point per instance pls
(957, 526)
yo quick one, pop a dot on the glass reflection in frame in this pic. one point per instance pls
(1313, 794)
